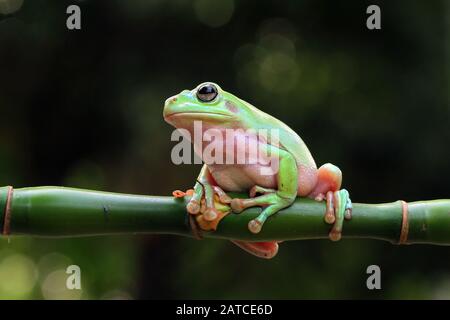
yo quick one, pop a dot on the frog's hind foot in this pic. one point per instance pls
(339, 205)
(338, 208)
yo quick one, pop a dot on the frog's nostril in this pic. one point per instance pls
(171, 100)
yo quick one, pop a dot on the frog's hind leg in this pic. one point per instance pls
(339, 205)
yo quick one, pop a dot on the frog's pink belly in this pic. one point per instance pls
(240, 178)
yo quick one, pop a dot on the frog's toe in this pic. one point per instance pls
(253, 191)
(348, 214)
(237, 205)
(210, 214)
(223, 197)
(261, 190)
(348, 209)
(335, 235)
(193, 207)
(330, 217)
(255, 226)
(320, 197)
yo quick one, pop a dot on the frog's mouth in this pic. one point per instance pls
(199, 115)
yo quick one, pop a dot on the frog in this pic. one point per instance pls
(270, 187)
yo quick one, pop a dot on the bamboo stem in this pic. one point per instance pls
(68, 212)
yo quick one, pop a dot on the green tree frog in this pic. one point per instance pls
(295, 174)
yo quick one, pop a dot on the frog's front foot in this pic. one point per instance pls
(202, 200)
(271, 200)
(338, 208)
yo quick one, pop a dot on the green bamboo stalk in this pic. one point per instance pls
(68, 212)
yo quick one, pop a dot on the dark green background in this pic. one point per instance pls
(84, 109)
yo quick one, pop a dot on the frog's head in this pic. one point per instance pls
(207, 103)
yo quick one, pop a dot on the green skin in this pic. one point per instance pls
(296, 174)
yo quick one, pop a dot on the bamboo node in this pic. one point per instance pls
(405, 224)
(7, 213)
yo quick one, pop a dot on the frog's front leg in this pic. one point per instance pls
(205, 187)
(272, 200)
(202, 201)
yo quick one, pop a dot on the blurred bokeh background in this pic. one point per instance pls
(84, 109)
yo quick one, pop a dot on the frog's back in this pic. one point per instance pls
(289, 140)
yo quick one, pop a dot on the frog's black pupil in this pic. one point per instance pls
(207, 93)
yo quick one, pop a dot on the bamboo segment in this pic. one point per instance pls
(69, 212)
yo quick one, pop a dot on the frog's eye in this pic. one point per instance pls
(207, 92)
